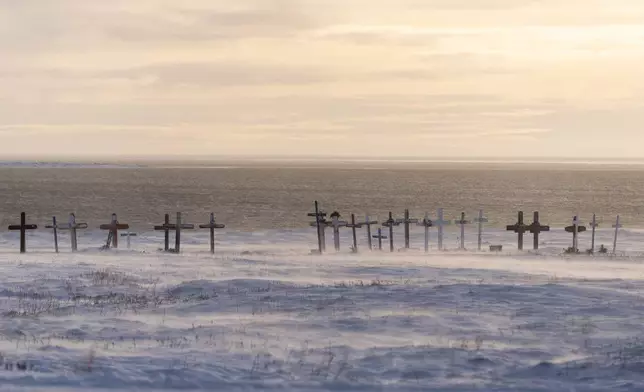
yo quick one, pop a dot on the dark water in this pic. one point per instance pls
(250, 198)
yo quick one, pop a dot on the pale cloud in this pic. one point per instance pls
(292, 77)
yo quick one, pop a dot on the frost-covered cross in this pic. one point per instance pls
(520, 228)
(73, 226)
(353, 225)
(23, 227)
(594, 225)
(440, 222)
(113, 232)
(427, 224)
(336, 223)
(535, 229)
(368, 223)
(462, 222)
(128, 236)
(617, 226)
(406, 221)
(480, 220)
(390, 223)
(212, 225)
(55, 227)
(320, 223)
(380, 237)
(575, 229)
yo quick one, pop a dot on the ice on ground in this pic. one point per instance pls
(265, 314)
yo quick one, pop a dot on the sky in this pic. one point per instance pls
(346, 78)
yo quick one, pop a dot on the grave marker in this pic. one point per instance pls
(212, 225)
(390, 223)
(380, 237)
(55, 227)
(165, 227)
(23, 227)
(113, 232)
(441, 223)
(617, 226)
(336, 223)
(575, 229)
(520, 228)
(537, 228)
(480, 220)
(406, 222)
(128, 236)
(462, 222)
(178, 226)
(427, 224)
(320, 224)
(368, 223)
(353, 225)
(594, 225)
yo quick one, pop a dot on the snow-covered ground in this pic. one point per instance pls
(264, 314)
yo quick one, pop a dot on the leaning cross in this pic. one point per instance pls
(165, 227)
(353, 225)
(406, 221)
(55, 227)
(390, 223)
(462, 222)
(520, 228)
(441, 223)
(480, 220)
(320, 224)
(536, 228)
(575, 229)
(336, 223)
(23, 227)
(380, 237)
(427, 224)
(113, 228)
(617, 226)
(368, 223)
(212, 225)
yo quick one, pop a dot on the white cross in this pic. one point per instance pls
(336, 223)
(594, 225)
(480, 220)
(427, 223)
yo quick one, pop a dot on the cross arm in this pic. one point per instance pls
(26, 227)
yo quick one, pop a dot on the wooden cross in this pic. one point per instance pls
(594, 225)
(320, 224)
(178, 226)
(406, 221)
(535, 229)
(23, 227)
(427, 224)
(390, 223)
(353, 225)
(441, 223)
(380, 237)
(336, 223)
(520, 228)
(73, 226)
(113, 232)
(575, 229)
(212, 225)
(480, 220)
(55, 227)
(617, 226)
(462, 222)
(165, 227)
(368, 223)
(129, 236)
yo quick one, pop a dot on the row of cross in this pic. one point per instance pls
(520, 227)
(113, 229)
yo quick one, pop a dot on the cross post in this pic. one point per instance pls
(390, 223)
(462, 222)
(368, 223)
(617, 226)
(406, 221)
(594, 226)
(535, 229)
(23, 227)
(441, 223)
(380, 237)
(336, 223)
(212, 225)
(55, 227)
(520, 228)
(575, 229)
(427, 224)
(179, 225)
(353, 225)
(320, 224)
(480, 220)
(113, 229)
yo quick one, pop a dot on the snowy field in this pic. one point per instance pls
(264, 314)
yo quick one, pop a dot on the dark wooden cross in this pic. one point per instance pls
(336, 224)
(537, 228)
(427, 224)
(462, 222)
(368, 223)
(165, 227)
(406, 221)
(178, 226)
(320, 224)
(380, 237)
(23, 227)
(113, 232)
(520, 228)
(616, 226)
(390, 223)
(55, 227)
(353, 225)
(575, 229)
(212, 225)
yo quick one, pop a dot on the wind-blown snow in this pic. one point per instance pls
(264, 314)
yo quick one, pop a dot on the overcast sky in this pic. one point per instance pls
(322, 77)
